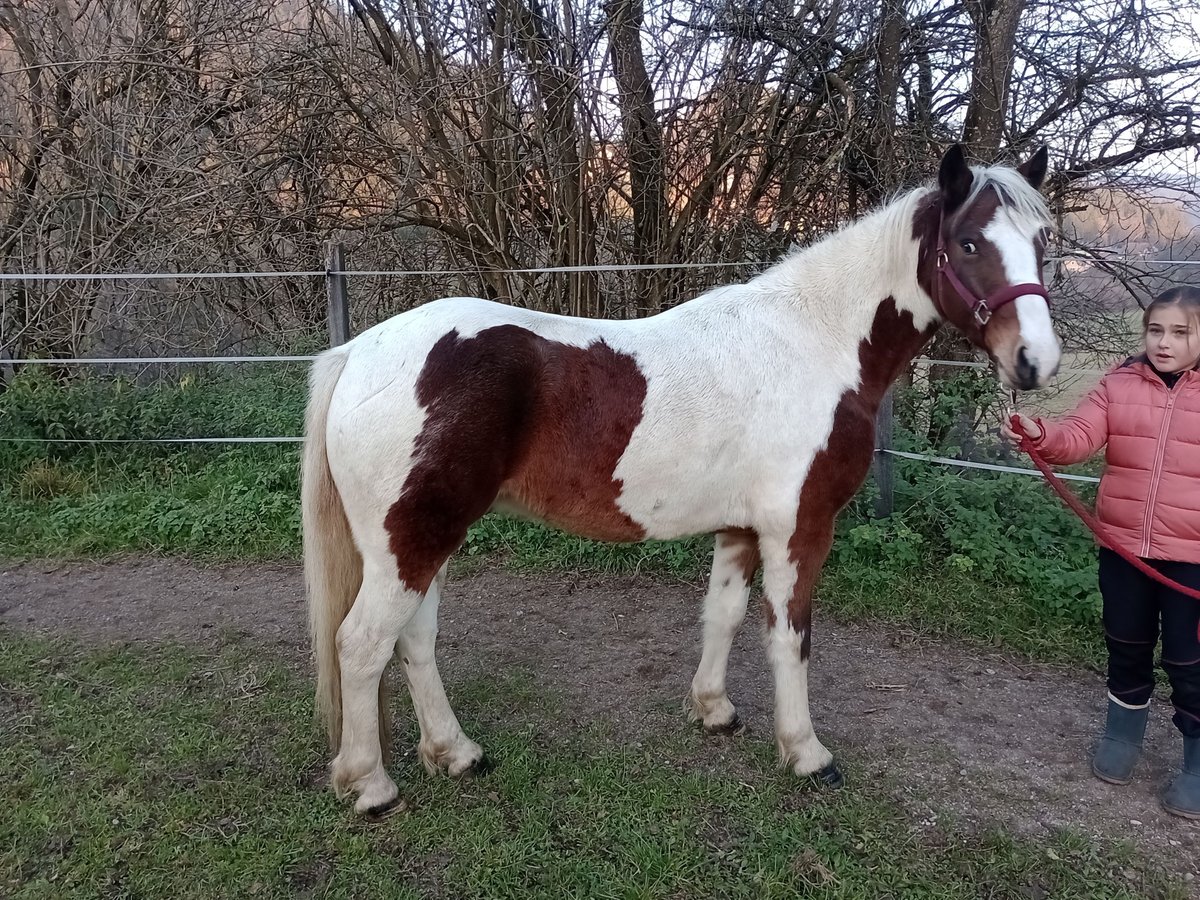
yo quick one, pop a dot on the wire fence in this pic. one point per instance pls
(339, 333)
(540, 270)
(292, 439)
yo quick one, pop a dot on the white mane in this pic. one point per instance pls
(875, 257)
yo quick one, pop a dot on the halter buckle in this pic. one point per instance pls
(983, 314)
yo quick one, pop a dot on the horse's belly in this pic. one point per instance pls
(673, 507)
(658, 505)
(594, 517)
(695, 484)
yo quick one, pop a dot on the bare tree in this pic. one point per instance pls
(524, 135)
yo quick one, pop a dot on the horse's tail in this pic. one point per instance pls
(332, 564)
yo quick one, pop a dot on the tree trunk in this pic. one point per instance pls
(643, 142)
(996, 24)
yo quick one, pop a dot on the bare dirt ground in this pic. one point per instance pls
(981, 739)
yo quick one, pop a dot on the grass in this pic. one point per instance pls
(956, 607)
(162, 772)
(208, 504)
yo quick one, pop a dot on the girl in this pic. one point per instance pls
(1147, 411)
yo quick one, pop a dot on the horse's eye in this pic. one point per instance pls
(969, 247)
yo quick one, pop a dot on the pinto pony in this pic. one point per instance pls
(748, 412)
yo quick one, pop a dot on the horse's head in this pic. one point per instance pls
(987, 274)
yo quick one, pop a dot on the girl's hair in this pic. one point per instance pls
(1184, 296)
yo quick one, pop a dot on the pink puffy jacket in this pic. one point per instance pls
(1150, 491)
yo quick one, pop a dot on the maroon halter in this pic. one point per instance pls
(982, 308)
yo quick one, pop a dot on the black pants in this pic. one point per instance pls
(1133, 606)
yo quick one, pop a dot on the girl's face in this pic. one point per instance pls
(1172, 343)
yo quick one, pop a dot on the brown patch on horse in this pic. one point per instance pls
(745, 542)
(589, 403)
(511, 415)
(839, 469)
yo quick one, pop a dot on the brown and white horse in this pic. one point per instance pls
(748, 412)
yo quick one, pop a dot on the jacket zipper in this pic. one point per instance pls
(1160, 451)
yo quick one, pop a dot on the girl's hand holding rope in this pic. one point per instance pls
(1020, 426)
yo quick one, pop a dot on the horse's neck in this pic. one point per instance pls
(863, 286)
(894, 342)
(842, 277)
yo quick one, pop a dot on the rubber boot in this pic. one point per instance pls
(1182, 798)
(1121, 744)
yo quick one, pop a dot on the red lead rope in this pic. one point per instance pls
(1093, 524)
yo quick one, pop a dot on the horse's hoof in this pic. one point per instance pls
(733, 726)
(482, 766)
(385, 810)
(830, 776)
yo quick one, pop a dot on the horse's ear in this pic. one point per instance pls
(1034, 168)
(954, 178)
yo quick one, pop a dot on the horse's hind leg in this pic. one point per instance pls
(444, 747)
(366, 641)
(735, 560)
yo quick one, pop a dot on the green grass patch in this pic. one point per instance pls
(136, 771)
(208, 504)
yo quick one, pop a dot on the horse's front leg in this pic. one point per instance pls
(790, 570)
(735, 561)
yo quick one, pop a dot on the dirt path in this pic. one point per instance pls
(981, 738)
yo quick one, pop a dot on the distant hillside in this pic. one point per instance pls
(1142, 225)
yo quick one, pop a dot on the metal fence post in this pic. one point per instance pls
(335, 289)
(884, 462)
(7, 370)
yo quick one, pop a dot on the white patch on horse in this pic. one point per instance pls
(799, 749)
(374, 420)
(750, 353)
(443, 746)
(1021, 267)
(796, 740)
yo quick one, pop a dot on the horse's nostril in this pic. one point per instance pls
(1026, 371)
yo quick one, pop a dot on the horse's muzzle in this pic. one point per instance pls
(1026, 375)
